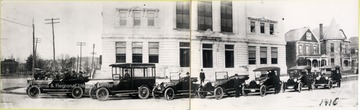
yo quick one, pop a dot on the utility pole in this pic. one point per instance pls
(80, 44)
(34, 54)
(52, 24)
(93, 53)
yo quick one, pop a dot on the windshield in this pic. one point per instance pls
(221, 75)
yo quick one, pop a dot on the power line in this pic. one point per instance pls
(16, 22)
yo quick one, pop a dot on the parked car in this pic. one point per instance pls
(129, 78)
(297, 79)
(223, 84)
(177, 86)
(71, 85)
(329, 76)
(265, 80)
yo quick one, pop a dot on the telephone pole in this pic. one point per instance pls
(80, 44)
(93, 53)
(52, 24)
(34, 53)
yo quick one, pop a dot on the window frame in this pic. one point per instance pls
(205, 15)
(184, 47)
(153, 55)
(229, 49)
(207, 55)
(274, 50)
(263, 60)
(137, 55)
(252, 58)
(226, 16)
(183, 12)
(123, 55)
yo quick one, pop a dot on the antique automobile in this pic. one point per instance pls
(127, 79)
(329, 76)
(71, 84)
(222, 84)
(177, 86)
(297, 79)
(266, 79)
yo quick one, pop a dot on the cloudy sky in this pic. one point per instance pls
(82, 22)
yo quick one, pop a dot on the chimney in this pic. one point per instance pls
(321, 32)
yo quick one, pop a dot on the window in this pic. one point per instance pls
(229, 56)
(300, 50)
(207, 56)
(137, 18)
(252, 26)
(182, 15)
(226, 17)
(204, 15)
(307, 49)
(153, 52)
(184, 54)
(263, 55)
(262, 27)
(252, 54)
(308, 36)
(315, 50)
(332, 61)
(274, 55)
(271, 29)
(120, 52)
(137, 52)
(123, 17)
(151, 17)
(331, 47)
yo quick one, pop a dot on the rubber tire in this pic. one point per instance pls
(284, 87)
(201, 93)
(144, 92)
(35, 94)
(243, 91)
(92, 92)
(153, 93)
(169, 93)
(299, 87)
(329, 85)
(105, 93)
(218, 92)
(74, 91)
(262, 90)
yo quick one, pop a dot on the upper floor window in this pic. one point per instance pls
(226, 16)
(123, 17)
(151, 17)
(300, 49)
(182, 15)
(272, 30)
(204, 15)
(308, 36)
(332, 49)
(137, 18)
(307, 49)
(252, 26)
(262, 28)
(315, 50)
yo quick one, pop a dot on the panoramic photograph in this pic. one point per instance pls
(179, 55)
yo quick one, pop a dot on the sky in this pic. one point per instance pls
(82, 22)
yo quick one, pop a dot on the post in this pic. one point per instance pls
(93, 53)
(34, 54)
(80, 44)
(52, 25)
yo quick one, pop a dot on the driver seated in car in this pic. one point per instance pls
(186, 78)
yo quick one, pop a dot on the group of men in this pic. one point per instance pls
(57, 75)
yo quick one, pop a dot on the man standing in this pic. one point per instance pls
(237, 85)
(202, 76)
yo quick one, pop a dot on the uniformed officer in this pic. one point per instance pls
(202, 76)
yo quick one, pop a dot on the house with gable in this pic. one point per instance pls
(303, 48)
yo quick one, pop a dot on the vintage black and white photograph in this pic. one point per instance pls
(179, 54)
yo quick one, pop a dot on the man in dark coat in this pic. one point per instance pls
(306, 79)
(237, 83)
(202, 76)
(276, 82)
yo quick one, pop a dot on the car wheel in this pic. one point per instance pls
(262, 90)
(243, 92)
(153, 93)
(169, 93)
(329, 84)
(201, 93)
(218, 92)
(33, 91)
(299, 87)
(144, 92)
(77, 92)
(102, 94)
(92, 92)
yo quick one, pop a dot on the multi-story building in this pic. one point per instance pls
(334, 44)
(209, 35)
(303, 48)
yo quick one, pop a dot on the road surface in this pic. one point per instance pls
(347, 99)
